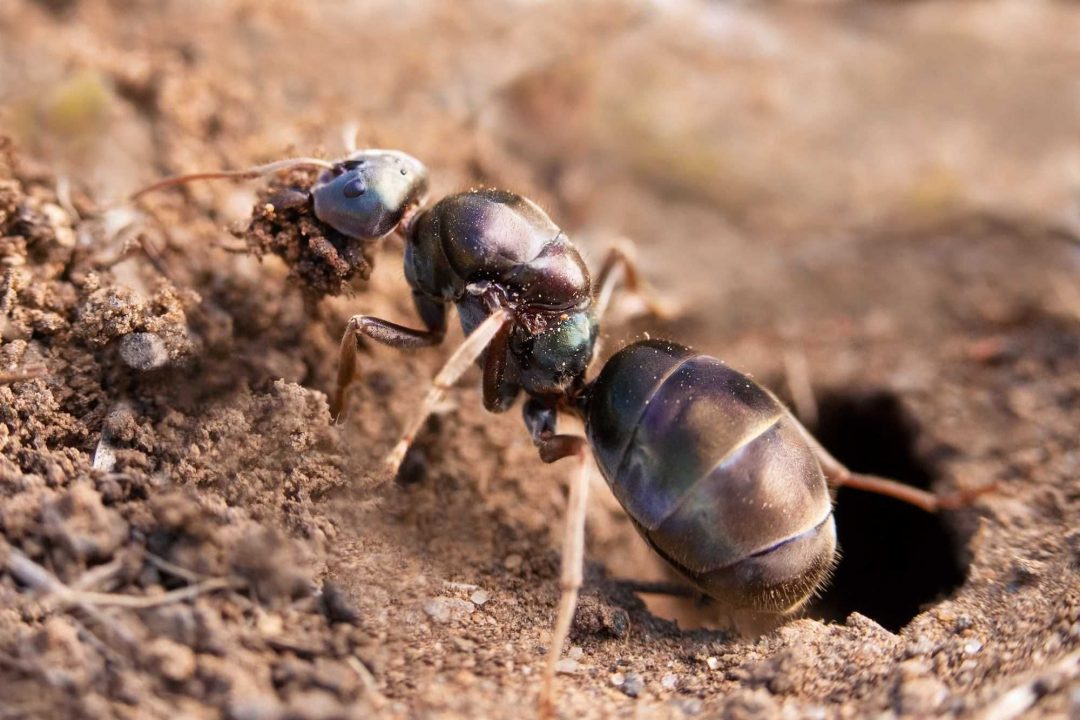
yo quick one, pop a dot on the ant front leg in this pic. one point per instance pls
(467, 353)
(499, 395)
(541, 419)
(433, 315)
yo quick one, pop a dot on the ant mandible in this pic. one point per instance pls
(717, 475)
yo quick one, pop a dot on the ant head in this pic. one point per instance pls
(367, 194)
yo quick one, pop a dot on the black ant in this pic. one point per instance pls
(717, 475)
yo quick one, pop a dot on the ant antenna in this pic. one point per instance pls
(249, 174)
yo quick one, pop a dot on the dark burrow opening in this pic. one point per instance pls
(895, 558)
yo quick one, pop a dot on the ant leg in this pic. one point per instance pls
(839, 475)
(622, 255)
(541, 418)
(497, 396)
(573, 556)
(466, 354)
(433, 315)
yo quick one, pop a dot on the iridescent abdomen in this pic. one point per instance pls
(715, 474)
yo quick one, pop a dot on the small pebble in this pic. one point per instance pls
(567, 666)
(972, 646)
(712, 662)
(479, 597)
(445, 609)
(617, 679)
(922, 696)
(575, 653)
(669, 681)
(688, 705)
(172, 660)
(143, 351)
(336, 605)
(463, 644)
(945, 616)
(632, 685)
(911, 669)
(922, 645)
(513, 561)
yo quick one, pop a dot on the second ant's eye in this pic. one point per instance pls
(354, 188)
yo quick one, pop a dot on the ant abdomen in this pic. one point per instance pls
(715, 474)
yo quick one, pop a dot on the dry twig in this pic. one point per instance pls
(37, 577)
(27, 373)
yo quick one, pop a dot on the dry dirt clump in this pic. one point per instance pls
(321, 259)
(142, 573)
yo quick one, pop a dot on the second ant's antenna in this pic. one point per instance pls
(249, 174)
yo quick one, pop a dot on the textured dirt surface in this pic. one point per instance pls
(870, 207)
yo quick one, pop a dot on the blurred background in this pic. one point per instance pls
(709, 125)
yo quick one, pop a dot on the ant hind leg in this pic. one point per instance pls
(839, 475)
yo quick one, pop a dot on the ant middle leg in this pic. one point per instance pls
(466, 354)
(541, 419)
(572, 564)
(623, 256)
(432, 314)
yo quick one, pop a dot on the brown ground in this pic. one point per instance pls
(875, 198)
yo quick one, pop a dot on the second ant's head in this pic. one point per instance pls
(368, 194)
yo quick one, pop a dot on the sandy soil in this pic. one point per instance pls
(871, 207)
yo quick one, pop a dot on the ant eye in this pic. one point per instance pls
(354, 188)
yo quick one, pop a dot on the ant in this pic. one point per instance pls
(716, 474)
